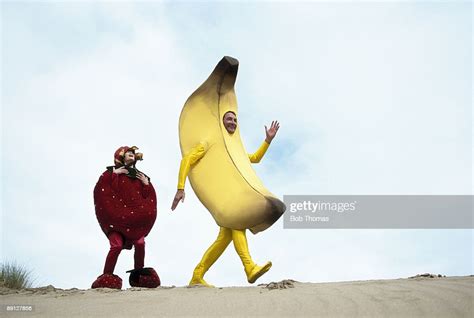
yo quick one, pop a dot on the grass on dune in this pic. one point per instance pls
(13, 275)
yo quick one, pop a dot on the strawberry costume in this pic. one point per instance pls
(125, 206)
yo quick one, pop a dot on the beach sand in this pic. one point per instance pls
(405, 297)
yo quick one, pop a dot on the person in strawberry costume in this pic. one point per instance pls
(125, 206)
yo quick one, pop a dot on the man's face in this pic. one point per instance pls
(230, 122)
(129, 158)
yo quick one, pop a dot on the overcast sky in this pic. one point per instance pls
(373, 98)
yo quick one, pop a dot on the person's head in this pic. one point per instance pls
(230, 122)
(129, 157)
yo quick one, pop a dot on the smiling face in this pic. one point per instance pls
(129, 158)
(230, 122)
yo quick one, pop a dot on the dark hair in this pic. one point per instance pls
(230, 111)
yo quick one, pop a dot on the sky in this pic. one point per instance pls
(373, 98)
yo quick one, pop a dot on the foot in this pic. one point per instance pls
(144, 277)
(197, 281)
(258, 271)
(107, 281)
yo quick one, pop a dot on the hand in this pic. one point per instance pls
(120, 170)
(143, 178)
(178, 197)
(272, 131)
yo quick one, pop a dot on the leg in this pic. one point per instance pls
(252, 270)
(210, 256)
(116, 243)
(139, 253)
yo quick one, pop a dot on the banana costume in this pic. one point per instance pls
(220, 171)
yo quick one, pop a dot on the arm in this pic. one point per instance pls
(146, 186)
(115, 181)
(258, 155)
(115, 177)
(270, 134)
(188, 160)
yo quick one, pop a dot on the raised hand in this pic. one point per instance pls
(272, 131)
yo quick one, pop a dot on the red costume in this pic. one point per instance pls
(126, 210)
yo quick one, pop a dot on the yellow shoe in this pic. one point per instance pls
(258, 271)
(210, 256)
(198, 277)
(197, 281)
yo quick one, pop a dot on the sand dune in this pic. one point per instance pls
(408, 297)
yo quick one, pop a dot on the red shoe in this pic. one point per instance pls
(108, 281)
(144, 277)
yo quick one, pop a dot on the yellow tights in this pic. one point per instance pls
(252, 270)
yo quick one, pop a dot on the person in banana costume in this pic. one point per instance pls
(220, 171)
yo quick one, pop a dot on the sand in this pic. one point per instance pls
(406, 297)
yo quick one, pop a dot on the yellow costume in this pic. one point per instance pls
(220, 170)
(226, 235)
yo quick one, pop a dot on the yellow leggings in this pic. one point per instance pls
(252, 270)
(223, 239)
(217, 248)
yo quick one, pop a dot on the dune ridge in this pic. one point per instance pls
(419, 296)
